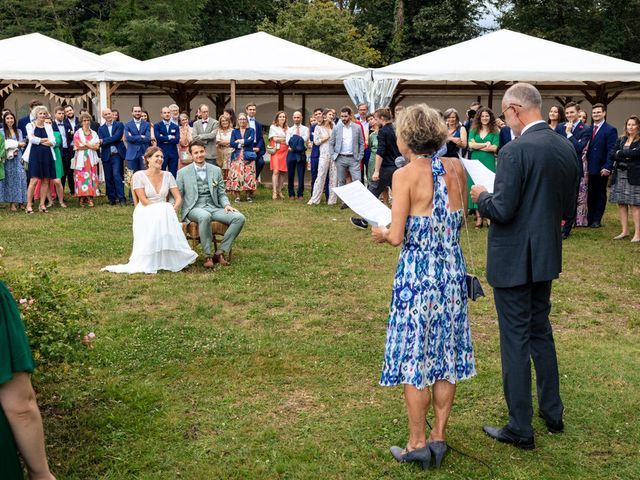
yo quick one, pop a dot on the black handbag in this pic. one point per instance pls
(474, 288)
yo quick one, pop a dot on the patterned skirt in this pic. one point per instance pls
(622, 192)
(242, 175)
(86, 180)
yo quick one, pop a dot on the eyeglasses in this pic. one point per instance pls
(511, 105)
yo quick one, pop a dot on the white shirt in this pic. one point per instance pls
(528, 126)
(347, 140)
(63, 133)
(201, 171)
(252, 122)
(301, 130)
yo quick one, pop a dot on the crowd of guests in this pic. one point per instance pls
(44, 153)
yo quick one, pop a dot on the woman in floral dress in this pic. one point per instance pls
(85, 161)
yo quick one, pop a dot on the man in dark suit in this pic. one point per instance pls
(71, 124)
(578, 134)
(534, 188)
(600, 161)
(168, 137)
(259, 147)
(22, 123)
(112, 153)
(137, 134)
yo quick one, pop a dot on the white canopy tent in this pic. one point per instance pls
(38, 57)
(494, 60)
(118, 59)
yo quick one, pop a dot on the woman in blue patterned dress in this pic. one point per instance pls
(428, 348)
(13, 189)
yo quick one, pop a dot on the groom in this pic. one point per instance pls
(204, 200)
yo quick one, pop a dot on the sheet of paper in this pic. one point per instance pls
(480, 174)
(362, 202)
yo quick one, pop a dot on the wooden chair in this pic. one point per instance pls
(218, 230)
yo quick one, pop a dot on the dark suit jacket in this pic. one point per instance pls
(71, 130)
(601, 148)
(505, 137)
(136, 145)
(259, 139)
(169, 147)
(22, 125)
(535, 188)
(297, 149)
(115, 140)
(249, 141)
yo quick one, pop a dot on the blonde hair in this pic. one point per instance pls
(422, 129)
(84, 116)
(39, 108)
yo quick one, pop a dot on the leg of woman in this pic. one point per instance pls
(443, 395)
(274, 184)
(318, 186)
(19, 404)
(44, 189)
(417, 406)
(13, 207)
(478, 219)
(623, 214)
(635, 213)
(30, 192)
(280, 184)
(59, 191)
(90, 201)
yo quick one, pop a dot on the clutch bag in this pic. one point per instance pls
(474, 288)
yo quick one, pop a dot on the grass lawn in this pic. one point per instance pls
(269, 369)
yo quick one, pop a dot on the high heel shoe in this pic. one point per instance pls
(43, 209)
(438, 451)
(622, 236)
(419, 455)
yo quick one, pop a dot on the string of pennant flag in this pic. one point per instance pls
(64, 100)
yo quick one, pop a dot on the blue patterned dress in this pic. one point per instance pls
(428, 337)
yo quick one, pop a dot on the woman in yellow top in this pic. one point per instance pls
(484, 138)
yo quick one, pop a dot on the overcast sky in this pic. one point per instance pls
(489, 19)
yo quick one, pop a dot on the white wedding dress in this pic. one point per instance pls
(158, 240)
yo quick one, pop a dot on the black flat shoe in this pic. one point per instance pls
(438, 451)
(505, 435)
(419, 455)
(553, 427)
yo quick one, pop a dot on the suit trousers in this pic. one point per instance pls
(259, 166)
(170, 164)
(525, 333)
(113, 178)
(347, 164)
(292, 166)
(67, 155)
(205, 215)
(596, 198)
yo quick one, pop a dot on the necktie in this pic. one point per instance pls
(298, 131)
(595, 130)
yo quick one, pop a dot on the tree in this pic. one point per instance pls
(606, 26)
(53, 19)
(322, 26)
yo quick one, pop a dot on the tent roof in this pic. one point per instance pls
(254, 57)
(510, 56)
(117, 59)
(38, 57)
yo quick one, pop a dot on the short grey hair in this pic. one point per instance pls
(525, 94)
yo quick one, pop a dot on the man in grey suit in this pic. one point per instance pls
(534, 190)
(206, 129)
(204, 200)
(347, 147)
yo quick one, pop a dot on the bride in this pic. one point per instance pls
(158, 241)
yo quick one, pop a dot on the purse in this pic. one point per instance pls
(474, 287)
(250, 156)
(185, 158)
(272, 148)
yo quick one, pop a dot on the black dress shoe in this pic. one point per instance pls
(419, 455)
(553, 427)
(595, 225)
(359, 223)
(344, 206)
(505, 435)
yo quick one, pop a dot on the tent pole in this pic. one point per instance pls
(104, 100)
(233, 95)
(304, 107)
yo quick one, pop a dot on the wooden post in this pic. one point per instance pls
(280, 98)
(304, 107)
(233, 95)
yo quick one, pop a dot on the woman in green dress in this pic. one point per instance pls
(484, 138)
(57, 182)
(20, 421)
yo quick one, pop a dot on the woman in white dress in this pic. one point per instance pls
(326, 166)
(158, 240)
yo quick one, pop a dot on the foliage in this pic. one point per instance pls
(322, 26)
(607, 26)
(54, 312)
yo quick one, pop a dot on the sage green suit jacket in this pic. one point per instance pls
(188, 185)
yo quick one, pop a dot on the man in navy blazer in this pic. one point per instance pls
(259, 147)
(24, 121)
(506, 135)
(168, 137)
(137, 133)
(600, 161)
(112, 153)
(579, 135)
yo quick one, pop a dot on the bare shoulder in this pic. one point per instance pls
(453, 167)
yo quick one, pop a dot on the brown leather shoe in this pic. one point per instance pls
(219, 258)
(208, 262)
